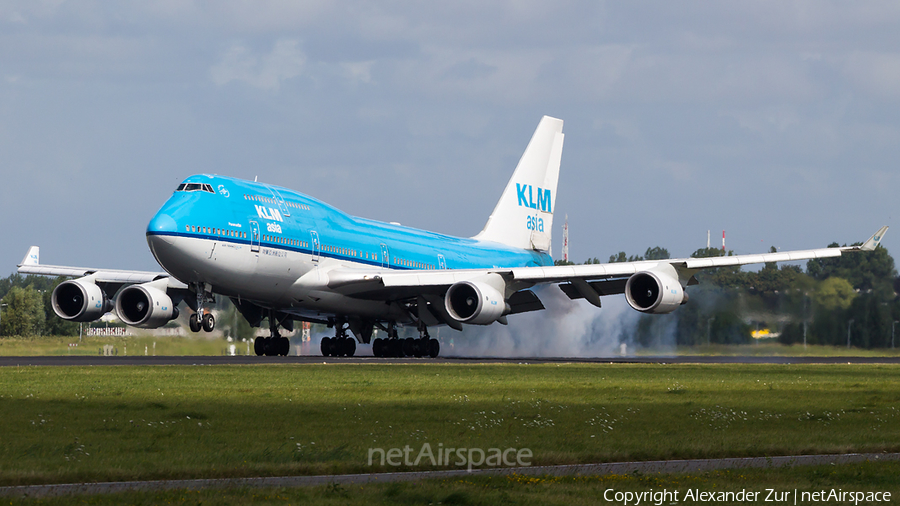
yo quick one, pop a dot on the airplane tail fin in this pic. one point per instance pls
(523, 217)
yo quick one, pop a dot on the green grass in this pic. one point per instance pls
(769, 348)
(133, 345)
(70, 424)
(527, 490)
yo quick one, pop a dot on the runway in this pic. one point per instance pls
(91, 360)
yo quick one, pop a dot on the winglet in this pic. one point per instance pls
(871, 243)
(32, 257)
(875, 240)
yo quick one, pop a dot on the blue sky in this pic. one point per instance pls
(775, 121)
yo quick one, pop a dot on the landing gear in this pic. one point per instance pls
(340, 345)
(393, 347)
(201, 320)
(273, 345)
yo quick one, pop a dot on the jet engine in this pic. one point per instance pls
(145, 306)
(655, 291)
(476, 302)
(80, 300)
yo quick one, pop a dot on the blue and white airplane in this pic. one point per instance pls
(285, 256)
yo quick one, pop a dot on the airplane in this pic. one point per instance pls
(286, 256)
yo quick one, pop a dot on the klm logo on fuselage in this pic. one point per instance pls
(526, 195)
(267, 213)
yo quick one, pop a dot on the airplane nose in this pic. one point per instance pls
(163, 226)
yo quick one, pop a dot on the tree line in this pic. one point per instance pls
(25, 308)
(851, 297)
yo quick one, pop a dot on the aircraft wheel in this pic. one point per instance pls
(350, 347)
(420, 348)
(434, 348)
(378, 347)
(285, 346)
(409, 347)
(194, 322)
(209, 322)
(273, 346)
(325, 346)
(259, 346)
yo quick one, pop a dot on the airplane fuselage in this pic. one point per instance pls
(274, 247)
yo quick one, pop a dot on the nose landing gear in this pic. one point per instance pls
(200, 319)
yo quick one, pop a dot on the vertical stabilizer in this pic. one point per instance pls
(523, 217)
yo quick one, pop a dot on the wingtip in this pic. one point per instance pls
(32, 257)
(875, 240)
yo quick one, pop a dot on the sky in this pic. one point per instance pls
(776, 121)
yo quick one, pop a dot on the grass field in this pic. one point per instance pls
(132, 345)
(70, 424)
(564, 491)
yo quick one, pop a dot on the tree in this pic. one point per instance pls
(24, 312)
(865, 270)
(656, 253)
(834, 294)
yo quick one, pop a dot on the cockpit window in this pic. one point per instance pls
(195, 187)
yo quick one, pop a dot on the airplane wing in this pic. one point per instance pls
(589, 281)
(109, 277)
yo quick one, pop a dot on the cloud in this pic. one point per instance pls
(265, 72)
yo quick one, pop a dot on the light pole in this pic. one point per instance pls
(849, 324)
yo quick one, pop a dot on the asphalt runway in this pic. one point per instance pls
(90, 360)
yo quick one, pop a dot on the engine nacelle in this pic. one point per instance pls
(145, 306)
(655, 291)
(475, 302)
(80, 300)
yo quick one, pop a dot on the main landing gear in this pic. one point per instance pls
(394, 347)
(340, 345)
(273, 345)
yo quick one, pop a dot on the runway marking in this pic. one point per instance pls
(648, 467)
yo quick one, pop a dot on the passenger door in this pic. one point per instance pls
(254, 236)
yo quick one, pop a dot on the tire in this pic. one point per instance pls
(390, 348)
(409, 347)
(285, 346)
(272, 346)
(325, 346)
(350, 347)
(259, 346)
(434, 348)
(194, 322)
(420, 348)
(378, 348)
(209, 322)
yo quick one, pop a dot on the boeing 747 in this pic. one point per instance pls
(284, 256)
